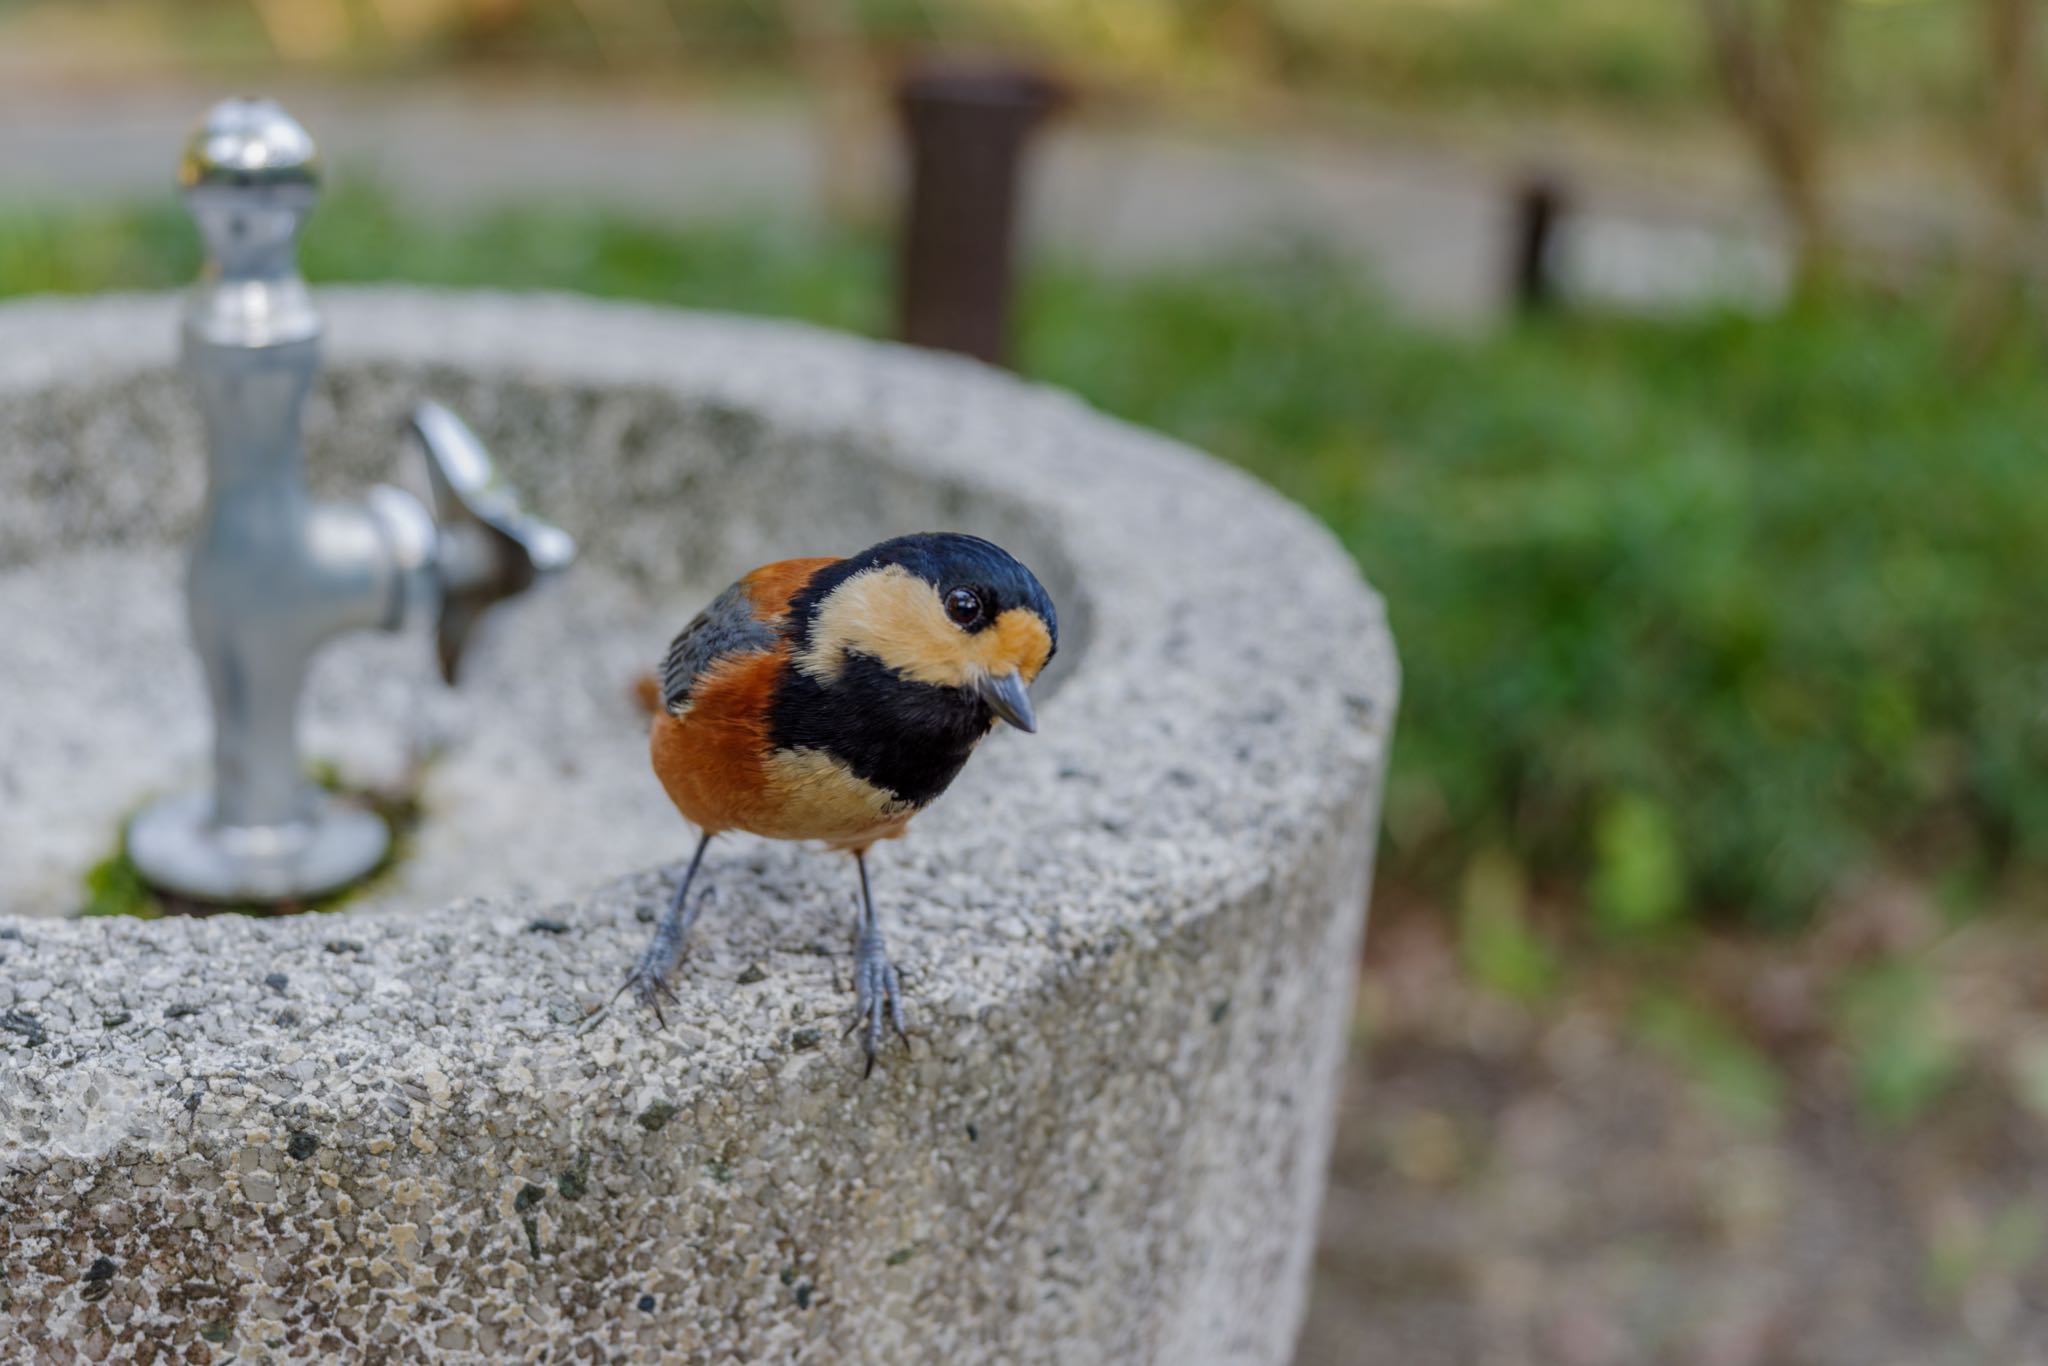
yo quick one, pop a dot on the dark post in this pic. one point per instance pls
(967, 126)
(1540, 202)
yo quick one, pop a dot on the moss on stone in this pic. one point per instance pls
(115, 886)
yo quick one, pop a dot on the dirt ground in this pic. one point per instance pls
(1826, 1173)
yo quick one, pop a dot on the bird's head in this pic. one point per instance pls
(939, 608)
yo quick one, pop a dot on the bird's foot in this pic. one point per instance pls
(648, 981)
(878, 996)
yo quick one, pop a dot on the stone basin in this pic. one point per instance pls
(412, 1127)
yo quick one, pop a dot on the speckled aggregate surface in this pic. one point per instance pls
(411, 1129)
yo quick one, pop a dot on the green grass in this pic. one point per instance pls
(1695, 617)
(358, 236)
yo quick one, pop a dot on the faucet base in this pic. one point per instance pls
(178, 846)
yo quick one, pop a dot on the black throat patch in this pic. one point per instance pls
(907, 737)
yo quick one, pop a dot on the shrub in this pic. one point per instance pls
(1713, 610)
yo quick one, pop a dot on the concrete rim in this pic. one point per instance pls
(927, 415)
(1216, 749)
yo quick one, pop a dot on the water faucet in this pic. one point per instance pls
(275, 573)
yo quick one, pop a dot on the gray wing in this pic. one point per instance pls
(727, 627)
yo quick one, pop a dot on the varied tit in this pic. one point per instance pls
(833, 700)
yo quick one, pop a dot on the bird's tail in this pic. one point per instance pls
(647, 692)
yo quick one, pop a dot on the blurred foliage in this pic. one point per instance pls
(1730, 1072)
(1638, 870)
(1969, 1248)
(1756, 585)
(1898, 57)
(1694, 616)
(358, 235)
(2028, 1068)
(1502, 951)
(1903, 1058)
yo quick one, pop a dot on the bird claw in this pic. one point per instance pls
(878, 996)
(649, 989)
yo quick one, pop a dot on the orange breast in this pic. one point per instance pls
(718, 766)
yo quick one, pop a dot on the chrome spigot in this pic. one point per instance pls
(274, 573)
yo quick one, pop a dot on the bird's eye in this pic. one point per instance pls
(963, 605)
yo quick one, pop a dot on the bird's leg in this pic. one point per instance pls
(648, 980)
(877, 990)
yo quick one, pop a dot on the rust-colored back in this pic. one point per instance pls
(772, 585)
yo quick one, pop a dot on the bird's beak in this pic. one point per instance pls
(1006, 697)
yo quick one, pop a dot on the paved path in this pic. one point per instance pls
(1430, 226)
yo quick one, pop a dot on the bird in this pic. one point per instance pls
(831, 700)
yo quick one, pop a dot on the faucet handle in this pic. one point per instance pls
(489, 548)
